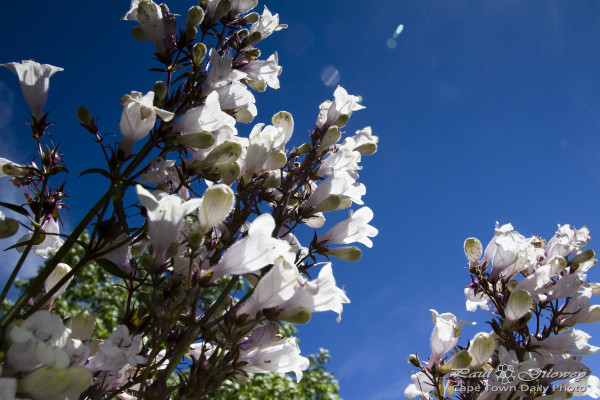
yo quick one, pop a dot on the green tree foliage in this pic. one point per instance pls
(96, 290)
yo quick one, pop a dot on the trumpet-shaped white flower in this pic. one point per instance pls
(118, 350)
(573, 342)
(221, 71)
(481, 348)
(567, 241)
(267, 24)
(446, 331)
(578, 310)
(509, 248)
(339, 184)
(262, 73)
(421, 386)
(253, 252)
(59, 272)
(242, 6)
(236, 97)
(475, 300)
(353, 229)
(343, 105)
(365, 142)
(35, 81)
(138, 118)
(165, 216)
(345, 159)
(207, 117)
(262, 140)
(51, 242)
(266, 355)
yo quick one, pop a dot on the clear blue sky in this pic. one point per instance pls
(487, 110)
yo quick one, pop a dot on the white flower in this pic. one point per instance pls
(207, 117)
(165, 216)
(421, 386)
(573, 342)
(519, 304)
(353, 229)
(365, 142)
(567, 241)
(35, 81)
(267, 24)
(157, 171)
(446, 331)
(253, 252)
(345, 158)
(263, 72)
(56, 383)
(59, 272)
(322, 294)
(509, 248)
(221, 71)
(117, 351)
(274, 356)
(262, 140)
(343, 105)
(51, 242)
(236, 98)
(242, 6)
(138, 118)
(121, 255)
(578, 310)
(475, 300)
(339, 184)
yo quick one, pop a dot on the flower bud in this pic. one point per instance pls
(199, 54)
(276, 160)
(481, 348)
(473, 249)
(251, 18)
(138, 33)
(172, 250)
(8, 227)
(582, 257)
(221, 9)
(331, 202)
(271, 182)
(87, 119)
(160, 91)
(342, 120)
(461, 360)
(351, 253)
(194, 18)
(195, 240)
(303, 149)
(518, 304)
(329, 138)
(11, 169)
(225, 153)
(413, 359)
(229, 173)
(216, 205)
(253, 38)
(198, 140)
(367, 149)
(82, 325)
(295, 316)
(59, 272)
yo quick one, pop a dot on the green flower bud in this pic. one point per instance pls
(481, 348)
(413, 359)
(229, 173)
(82, 325)
(295, 316)
(251, 18)
(461, 360)
(367, 149)
(198, 140)
(160, 92)
(172, 250)
(225, 153)
(13, 169)
(331, 202)
(194, 17)
(303, 149)
(253, 38)
(86, 118)
(199, 54)
(342, 120)
(58, 273)
(196, 239)
(271, 182)
(139, 34)
(351, 253)
(582, 257)
(329, 138)
(221, 9)
(276, 160)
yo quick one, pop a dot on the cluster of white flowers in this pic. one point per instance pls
(239, 236)
(523, 282)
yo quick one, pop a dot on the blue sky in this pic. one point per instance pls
(486, 111)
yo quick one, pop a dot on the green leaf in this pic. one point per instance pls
(15, 208)
(95, 171)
